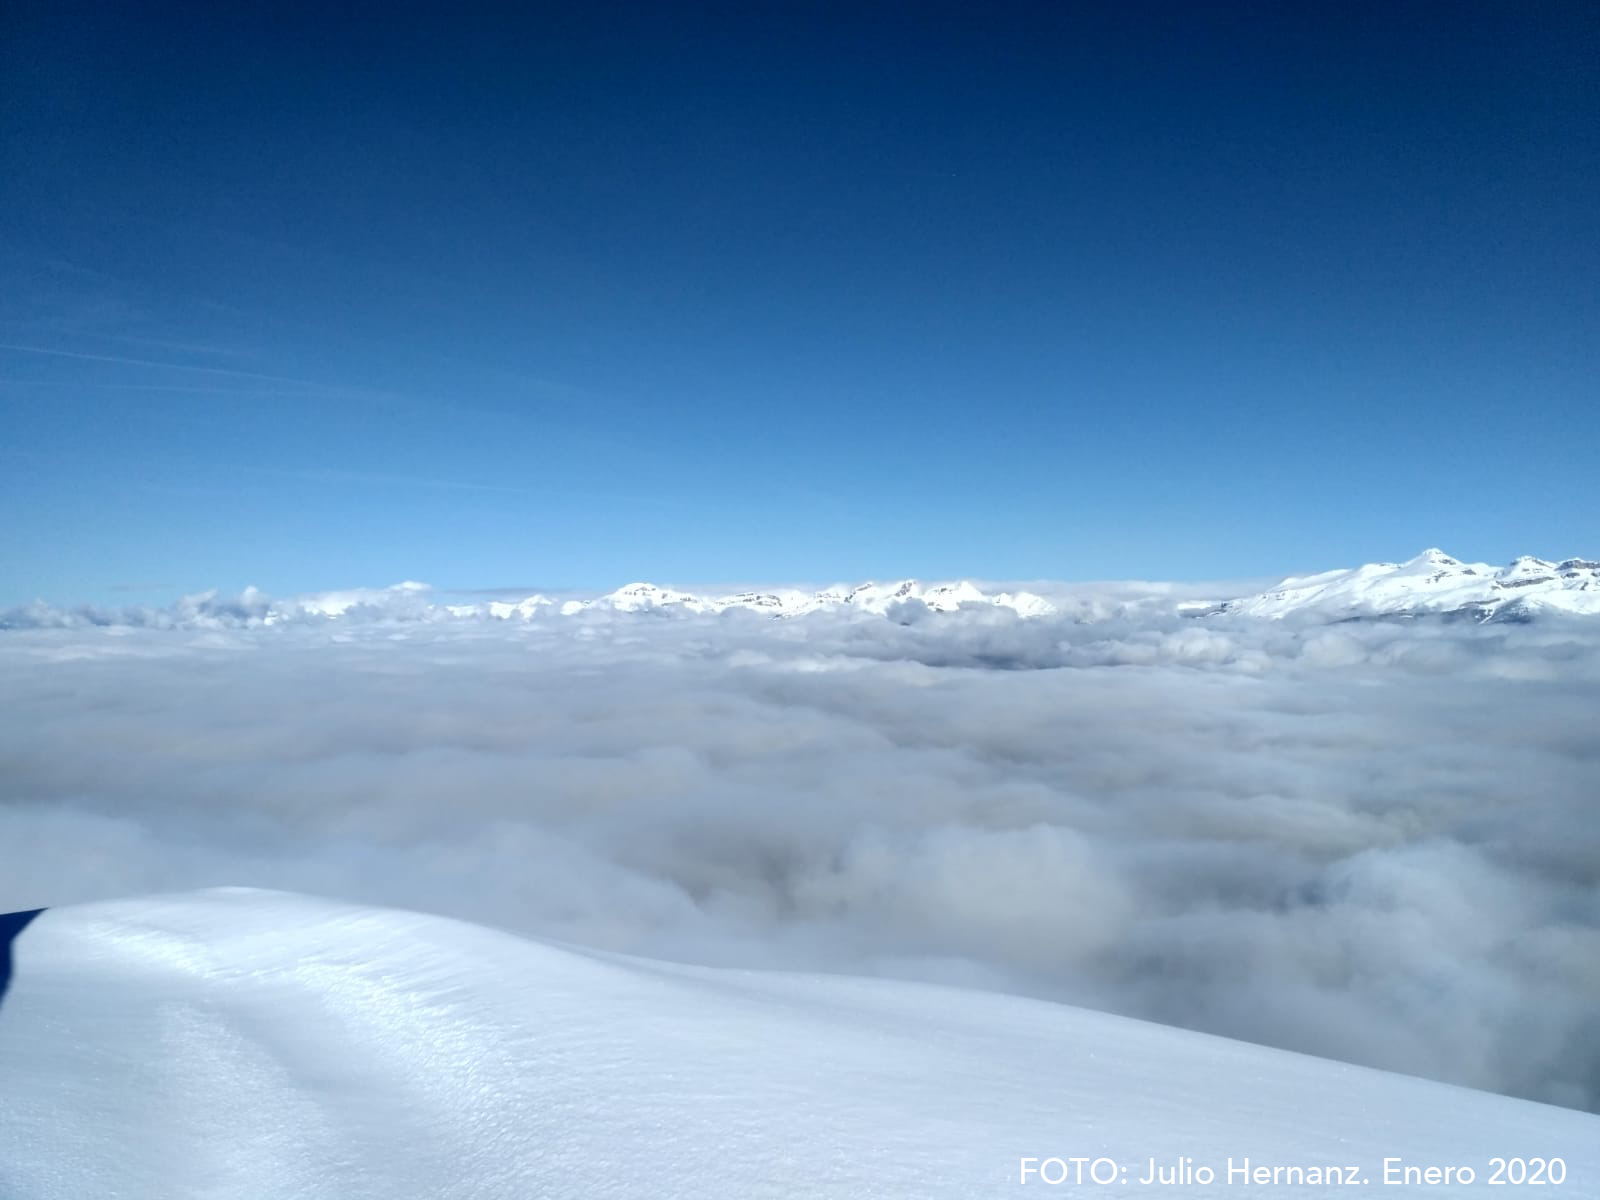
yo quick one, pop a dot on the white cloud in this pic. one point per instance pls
(1375, 841)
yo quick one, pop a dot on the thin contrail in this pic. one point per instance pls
(206, 389)
(145, 362)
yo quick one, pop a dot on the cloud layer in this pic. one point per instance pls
(1377, 842)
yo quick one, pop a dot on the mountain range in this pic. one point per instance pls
(875, 598)
(1432, 583)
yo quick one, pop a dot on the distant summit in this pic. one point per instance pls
(875, 598)
(1432, 583)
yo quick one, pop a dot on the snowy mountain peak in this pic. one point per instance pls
(877, 598)
(1432, 583)
(866, 597)
(410, 601)
(333, 604)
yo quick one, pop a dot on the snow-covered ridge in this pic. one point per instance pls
(414, 601)
(1431, 583)
(245, 1043)
(877, 598)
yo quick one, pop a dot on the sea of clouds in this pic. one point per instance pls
(1378, 842)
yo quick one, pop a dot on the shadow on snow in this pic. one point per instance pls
(11, 925)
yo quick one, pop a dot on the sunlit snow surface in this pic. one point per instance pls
(256, 1044)
(1434, 582)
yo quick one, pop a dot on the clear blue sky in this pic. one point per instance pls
(310, 298)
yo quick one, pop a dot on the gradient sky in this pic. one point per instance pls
(791, 292)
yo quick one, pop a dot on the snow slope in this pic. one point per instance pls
(253, 1044)
(1432, 582)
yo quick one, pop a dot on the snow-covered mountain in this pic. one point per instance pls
(412, 601)
(1431, 583)
(245, 1043)
(877, 598)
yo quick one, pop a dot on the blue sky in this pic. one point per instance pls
(791, 292)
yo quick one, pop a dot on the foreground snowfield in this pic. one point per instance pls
(241, 1043)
